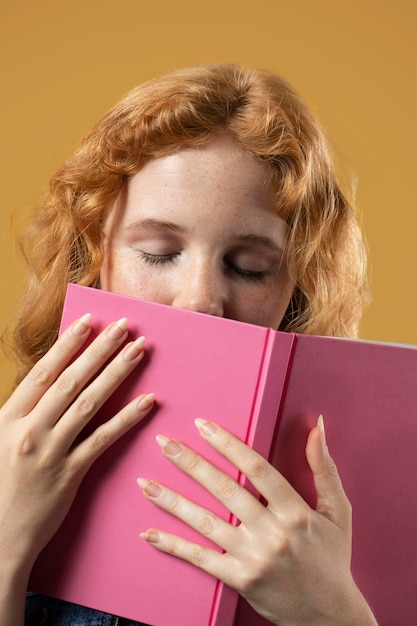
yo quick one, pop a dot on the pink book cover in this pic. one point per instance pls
(367, 393)
(199, 366)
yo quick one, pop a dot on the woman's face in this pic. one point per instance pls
(197, 230)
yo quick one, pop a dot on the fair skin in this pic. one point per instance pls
(195, 230)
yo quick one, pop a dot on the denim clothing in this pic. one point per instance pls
(44, 611)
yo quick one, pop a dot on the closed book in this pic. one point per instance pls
(268, 388)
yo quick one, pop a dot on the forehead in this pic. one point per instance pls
(217, 190)
(217, 167)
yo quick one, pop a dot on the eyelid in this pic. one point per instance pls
(248, 274)
(154, 259)
(254, 259)
(156, 246)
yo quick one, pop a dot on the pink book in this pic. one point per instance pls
(268, 388)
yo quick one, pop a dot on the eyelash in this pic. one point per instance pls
(247, 274)
(157, 259)
(160, 259)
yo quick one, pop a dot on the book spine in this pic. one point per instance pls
(261, 434)
(270, 397)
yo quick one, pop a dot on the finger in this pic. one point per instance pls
(87, 451)
(264, 477)
(224, 488)
(332, 501)
(100, 389)
(48, 368)
(221, 566)
(74, 378)
(203, 521)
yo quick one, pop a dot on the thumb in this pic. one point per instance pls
(332, 501)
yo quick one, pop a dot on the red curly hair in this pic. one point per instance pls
(264, 116)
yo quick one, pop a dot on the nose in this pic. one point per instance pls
(200, 288)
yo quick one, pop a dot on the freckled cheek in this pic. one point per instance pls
(268, 315)
(270, 309)
(141, 283)
(253, 308)
(119, 274)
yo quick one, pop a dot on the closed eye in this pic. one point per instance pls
(157, 259)
(160, 259)
(246, 274)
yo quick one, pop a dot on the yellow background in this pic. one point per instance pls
(64, 63)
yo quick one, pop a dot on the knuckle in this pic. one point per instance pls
(86, 405)
(227, 488)
(228, 442)
(263, 564)
(101, 439)
(65, 344)
(257, 468)
(248, 578)
(124, 419)
(282, 550)
(173, 503)
(48, 461)
(205, 524)
(39, 375)
(113, 372)
(67, 384)
(27, 443)
(198, 556)
(302, 523)
(279, 548)
(171, 546)
(285, 548)
(98, 350)
(192, 463)
(30, 446)
(245, 584)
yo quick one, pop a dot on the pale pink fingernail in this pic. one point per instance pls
(82, 325)
(151, 536)
(133, 349)
(150, 487)
(320, 424)
(117, 329)
(205, 428)
(144, 402)
(169, 446)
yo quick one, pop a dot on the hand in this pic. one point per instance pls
(41, 461)
(290, 562)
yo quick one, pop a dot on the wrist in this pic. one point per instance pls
(357, 613)
(14, 579)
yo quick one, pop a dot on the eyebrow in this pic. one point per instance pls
(162, 225)
(260, 239)
(152, 224)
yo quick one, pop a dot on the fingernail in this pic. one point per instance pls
(117, 329)
(150, 487)
(205, 428)
(133, 349)
(146, 401)
(80, 326)
(320, 424)
(151, 536)
(169, 446)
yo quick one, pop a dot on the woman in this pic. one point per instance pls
(210, 188)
